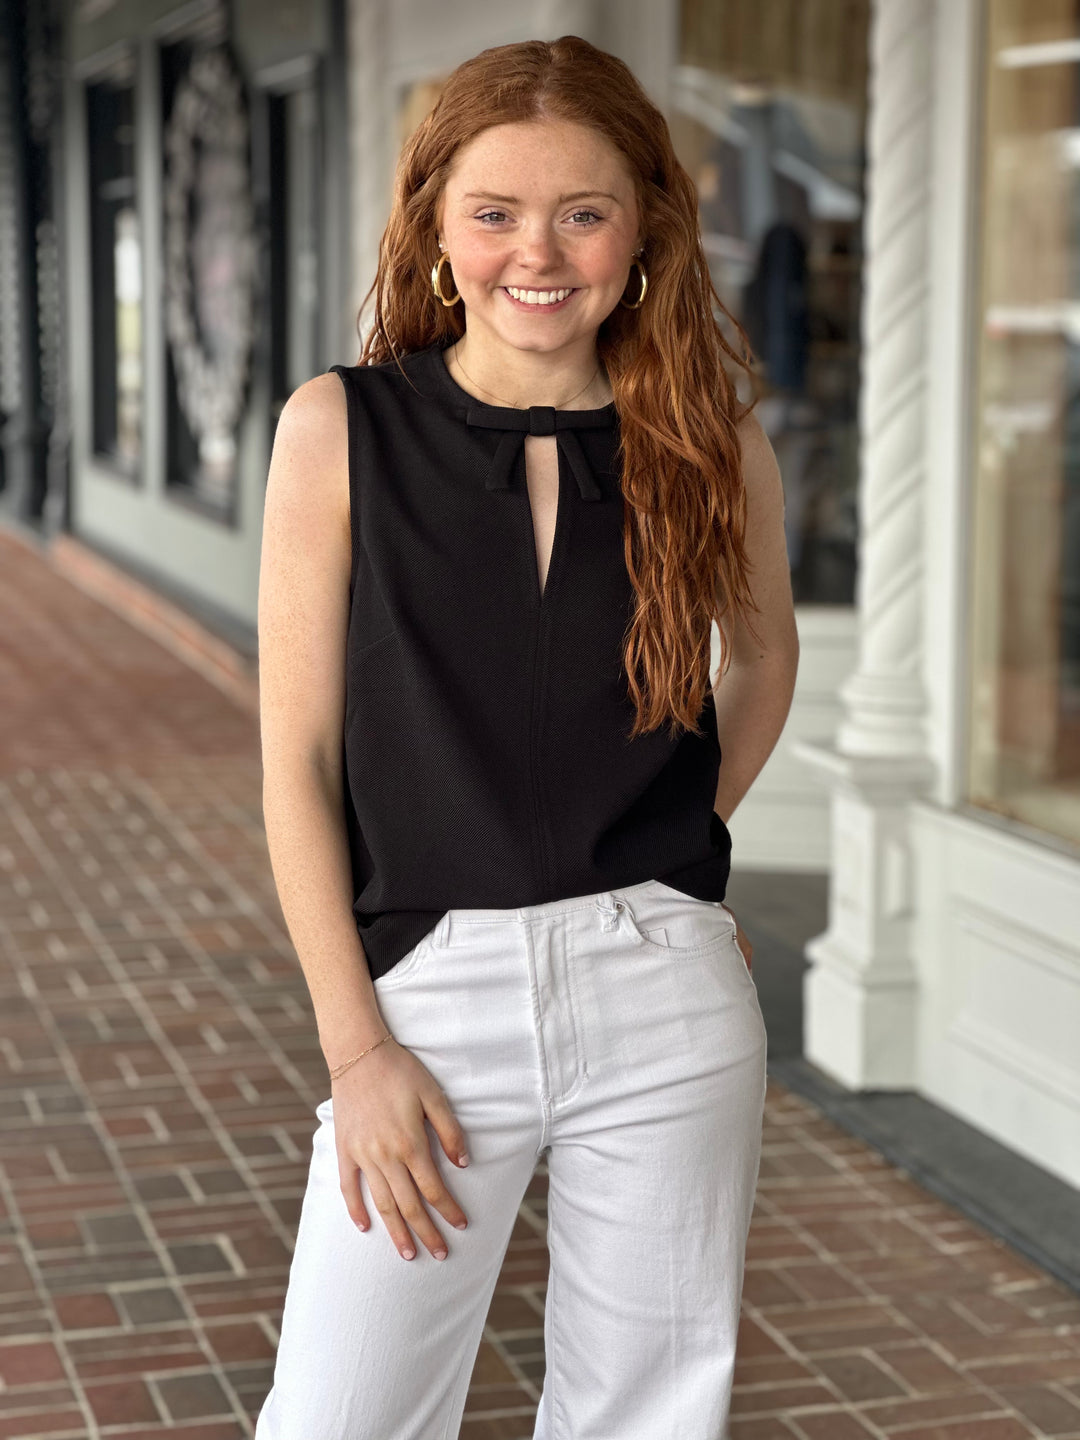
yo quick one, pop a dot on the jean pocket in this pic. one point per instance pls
(404, 969)
(666, 919)
(413, 961)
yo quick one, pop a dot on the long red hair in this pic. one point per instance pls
(678, 409)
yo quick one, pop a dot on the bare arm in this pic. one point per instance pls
(303, 621)
(754, 697)
(380, 1102)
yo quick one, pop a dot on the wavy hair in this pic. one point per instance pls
(681, 471)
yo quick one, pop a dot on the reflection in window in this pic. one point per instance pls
(208, 243)
(116, 271)
(1024, 720)
(769, 105)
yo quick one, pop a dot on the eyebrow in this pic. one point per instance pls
(513, 199)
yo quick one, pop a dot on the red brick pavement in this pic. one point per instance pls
(158, 1072)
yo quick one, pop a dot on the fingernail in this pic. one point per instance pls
(408, 1254)
(460, 1224)
(463, 1159)
(439, 1254)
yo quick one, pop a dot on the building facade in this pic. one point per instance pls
(198, 176)
(951, 964)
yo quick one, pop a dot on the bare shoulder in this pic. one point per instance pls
(321, 393)
(309, 465)
(315, 415)
(306, 509)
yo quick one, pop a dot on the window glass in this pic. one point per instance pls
(768, 116)
(209, 270)
(116, 270)
(1024, 691)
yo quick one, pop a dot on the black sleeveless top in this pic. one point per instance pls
(485, 749)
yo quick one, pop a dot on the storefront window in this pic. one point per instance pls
(1024, 695)
(209, 269)
(116, 270)
(768, 116)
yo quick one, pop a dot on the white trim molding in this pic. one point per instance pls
(860, 993)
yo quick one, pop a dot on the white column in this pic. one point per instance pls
(370, 160)
(860, 992)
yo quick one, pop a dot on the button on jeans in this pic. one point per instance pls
(618, 1036)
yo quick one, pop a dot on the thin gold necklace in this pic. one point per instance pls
(564, 404)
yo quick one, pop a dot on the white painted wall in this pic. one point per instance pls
(997, 949)
(997, 937)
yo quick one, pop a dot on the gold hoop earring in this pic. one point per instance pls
(436, 282)
(644, 286)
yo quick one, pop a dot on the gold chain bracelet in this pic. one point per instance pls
(340, 1069)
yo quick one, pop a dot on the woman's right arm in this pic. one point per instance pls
(380, 1102)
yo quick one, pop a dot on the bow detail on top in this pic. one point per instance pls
(541, 420)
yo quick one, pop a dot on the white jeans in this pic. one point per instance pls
(620, 1035)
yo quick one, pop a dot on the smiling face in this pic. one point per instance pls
(542, 206)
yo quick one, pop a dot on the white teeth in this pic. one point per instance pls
(538, 297)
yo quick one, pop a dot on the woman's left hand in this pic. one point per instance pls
(742, 940)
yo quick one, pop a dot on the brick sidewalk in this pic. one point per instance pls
(160, 1069)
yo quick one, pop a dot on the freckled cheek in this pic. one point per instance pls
(604, 272)
(473, 262)
(480, 272)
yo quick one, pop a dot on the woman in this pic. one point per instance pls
(496, 814)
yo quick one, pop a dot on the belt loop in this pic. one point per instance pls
(441, 936)
(615, 912)
(608, 908)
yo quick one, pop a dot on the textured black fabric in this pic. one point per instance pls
(485, 725)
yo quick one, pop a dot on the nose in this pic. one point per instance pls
(540, 249)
